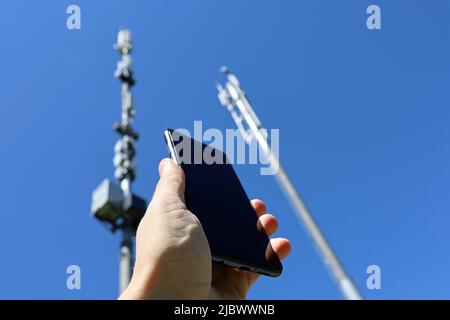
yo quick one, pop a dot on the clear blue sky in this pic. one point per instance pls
(363, 117)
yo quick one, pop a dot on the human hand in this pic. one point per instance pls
(173, 258)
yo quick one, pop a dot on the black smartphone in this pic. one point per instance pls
(216, 196)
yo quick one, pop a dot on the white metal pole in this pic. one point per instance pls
(233, 94)
(125, 152)
(346, 286)
(126, 245)
(126, 259)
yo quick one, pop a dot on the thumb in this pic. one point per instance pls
(171, 181)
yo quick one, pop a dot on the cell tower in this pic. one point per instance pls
(234, 99)
(113, 204)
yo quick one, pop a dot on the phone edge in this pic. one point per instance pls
(171, 146)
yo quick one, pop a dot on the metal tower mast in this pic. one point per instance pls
(234, 99)
(125, 149)
(117, 205)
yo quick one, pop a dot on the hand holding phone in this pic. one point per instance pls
(173, 256)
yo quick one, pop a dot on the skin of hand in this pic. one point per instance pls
(173, 258)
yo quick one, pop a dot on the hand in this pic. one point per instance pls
(173, 258)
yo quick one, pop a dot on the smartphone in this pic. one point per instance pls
(216, 196)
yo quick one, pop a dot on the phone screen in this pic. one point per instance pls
(215, 195)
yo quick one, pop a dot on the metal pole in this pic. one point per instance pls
(108, 195)
(125, 152)
(232, 95)
(126, 245)
(126, 258)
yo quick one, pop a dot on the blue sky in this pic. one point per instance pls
(363, 118)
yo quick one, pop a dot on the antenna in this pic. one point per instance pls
(112, 204)
(234, 99)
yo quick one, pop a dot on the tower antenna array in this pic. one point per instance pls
(113, 204)
(234, 99)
